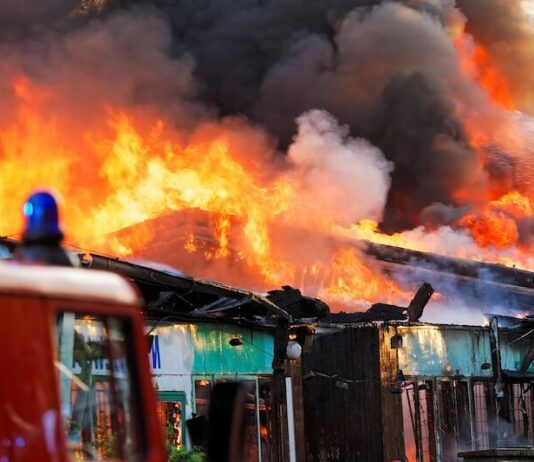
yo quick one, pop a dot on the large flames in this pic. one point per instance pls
(494, 222)
(132, 168)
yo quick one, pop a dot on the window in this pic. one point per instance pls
(171, 412)
(98, 399)
(251, 421)
(480, 399)
(258, 413)
(266, 418)
(522, 413)
(419, 426)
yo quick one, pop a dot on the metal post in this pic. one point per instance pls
(290, 421)
(258, 421)
(66, 351)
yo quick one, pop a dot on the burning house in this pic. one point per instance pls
(417, 392)
(373, 385)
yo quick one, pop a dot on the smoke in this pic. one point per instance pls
(453, 311)
(429, 150)
(122, 60)
(347, 73)
(338, 177)
(18, 18)
(389, 71)
(235, 43)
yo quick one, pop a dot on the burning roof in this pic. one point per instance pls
(188, 240)
(406, 124)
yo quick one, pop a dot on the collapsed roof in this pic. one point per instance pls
(168, 292)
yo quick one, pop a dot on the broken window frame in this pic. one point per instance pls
(214, 378)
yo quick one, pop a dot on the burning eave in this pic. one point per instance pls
(188, 239)
(195, 298)
(169, 293)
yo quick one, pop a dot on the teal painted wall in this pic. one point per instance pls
(514, 352)
(213, 353)
(444, 351)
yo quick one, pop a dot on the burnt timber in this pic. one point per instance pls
(476, 280)
(481, 284)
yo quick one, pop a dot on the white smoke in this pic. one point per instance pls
(453, 311)
(460, 244)
(342, 178)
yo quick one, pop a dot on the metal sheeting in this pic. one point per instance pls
(441, 351)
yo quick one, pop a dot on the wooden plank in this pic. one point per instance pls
(294, 370)
(391, 403)
(344, 424)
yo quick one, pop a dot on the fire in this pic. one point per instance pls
(144, 170)
(496, 225)
(493, 222)
(515, 204)
(130, 167)
(491, 228)
(349, 275)
(368, 230)
(477, 63)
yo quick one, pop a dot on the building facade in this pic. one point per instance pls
(188, 359)
(416, 392)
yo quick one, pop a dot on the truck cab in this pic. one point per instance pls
(75, 379)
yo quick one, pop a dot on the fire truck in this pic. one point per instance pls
(75, 379)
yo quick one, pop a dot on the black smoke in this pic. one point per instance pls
(388, 70)
(421, 135)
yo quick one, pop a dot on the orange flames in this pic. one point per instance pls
(144, 170)
(132, 168)
(477, 63)
(494, 222)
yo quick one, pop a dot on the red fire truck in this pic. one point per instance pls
(75, 376)
(75, 379)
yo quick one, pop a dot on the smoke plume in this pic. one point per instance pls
(326, 112)
(335, 174)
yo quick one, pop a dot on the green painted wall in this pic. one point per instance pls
(213, 353)
(444, 351)
(514, 352)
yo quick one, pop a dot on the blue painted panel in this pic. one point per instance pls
(444, 351)
(513, 354)
(215, 355)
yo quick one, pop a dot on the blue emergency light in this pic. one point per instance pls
(42, 219)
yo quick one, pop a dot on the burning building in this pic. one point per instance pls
(373, 385)
(412, 129)
(417, 392)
